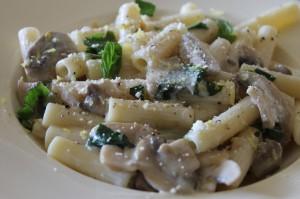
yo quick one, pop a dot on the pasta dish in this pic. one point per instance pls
(179, 103)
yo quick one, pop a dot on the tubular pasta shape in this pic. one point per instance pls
(79, 158)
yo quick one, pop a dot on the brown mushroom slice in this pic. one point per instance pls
(45, 53)
(161, 174)
(142, 158)
(118, 159)
(91, 94)
(166, 167)
(267, 158)
(247, 55)
(149, 165)
(94, 102)
(274, 105)
(179, 158)
(194, 51)
(281, 68)
(239, 54)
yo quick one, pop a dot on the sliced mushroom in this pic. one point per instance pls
(179, 158)
(91, 94)
(194, 51)
(94, 102)
(281, 68)
(241, 53)
(267, 158)
(45, 53)
(274, 105)
(247, 55)
(166, 167)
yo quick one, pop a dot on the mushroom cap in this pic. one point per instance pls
(45, 53)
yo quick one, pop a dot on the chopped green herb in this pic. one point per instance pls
(213, 88)
(34, 99)
(177, 80)
(226, 30)
(275, 133)
(106, 136)
(95, 43)
(111, 60)
(138, 92)
(265, 74)
(165, 91)
(200, 25)
(147, 8)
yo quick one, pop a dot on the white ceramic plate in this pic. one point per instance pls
(26, 171)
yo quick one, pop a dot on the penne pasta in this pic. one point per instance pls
(87, 162)
(72, 67)
(93, 69)
(212, 133)
(242, 152)
(281, 17)
(188, 18)
(78, 36)
(77, 135)
(27, 37)
(59, 115)
(207, 35)
(157, 114)
(265, 46)
(128, 20)
(162, 46)
(205, 111)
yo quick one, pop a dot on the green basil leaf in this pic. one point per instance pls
(265, 74)
(96, 43)
(200, 25)
(106, 136)
(111, 60)
(213, 88)
(35, 97)
(226, 30)
(147, 8)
